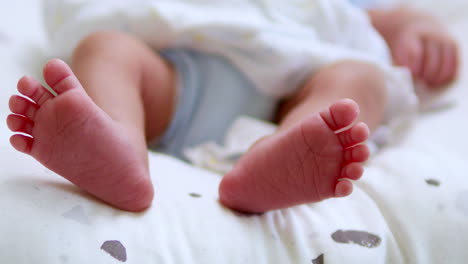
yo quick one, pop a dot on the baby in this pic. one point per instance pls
(122, 96)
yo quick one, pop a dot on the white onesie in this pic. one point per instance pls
(277, 44)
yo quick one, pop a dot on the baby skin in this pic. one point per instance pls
(94, 132)
(303, 164)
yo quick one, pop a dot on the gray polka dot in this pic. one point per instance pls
(462, 202)
(433, 182)
(195, 195)
(318, 260)
(77, 214)
(115, 249)
(360, 238)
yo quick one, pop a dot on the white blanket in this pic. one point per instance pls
(410, 207)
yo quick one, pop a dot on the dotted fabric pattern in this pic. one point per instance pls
(410, 207)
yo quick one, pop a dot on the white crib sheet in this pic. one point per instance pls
(410, 207)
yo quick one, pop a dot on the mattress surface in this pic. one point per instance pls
(410, 207)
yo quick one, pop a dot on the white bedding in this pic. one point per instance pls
(410, 207)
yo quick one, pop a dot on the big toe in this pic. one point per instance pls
(60, 77)
(341, 114)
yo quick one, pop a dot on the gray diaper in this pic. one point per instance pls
(212, 93)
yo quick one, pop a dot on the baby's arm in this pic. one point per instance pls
(419, 42)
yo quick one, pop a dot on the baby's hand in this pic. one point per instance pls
(420, 43)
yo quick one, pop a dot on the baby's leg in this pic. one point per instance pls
(318, 146)
(93, 132)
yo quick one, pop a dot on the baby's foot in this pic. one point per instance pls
(73, 137)
(307, 163)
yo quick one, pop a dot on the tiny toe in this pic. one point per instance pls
(31, 88)
(343, 188)
(17, 123)
(22, 106)
(353, 171)
(341, 114)
(59, 76)
(432, 62)
(22, 143)
(449, 64)
(355, 135)
(358, 153)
